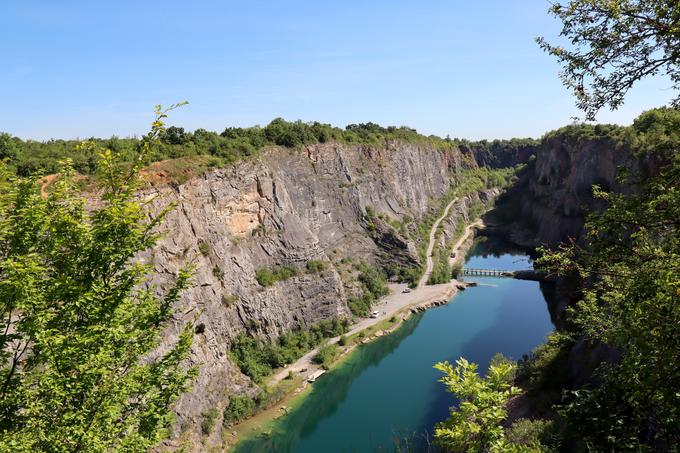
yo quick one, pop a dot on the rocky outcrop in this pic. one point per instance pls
(548, 204)
(502, 153)
(284, 207)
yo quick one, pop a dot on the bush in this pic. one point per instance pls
(343, 341)
(240, 407)
(267, 277)
(326, 355)
(315, 266)
(204, 248)
(229, 299)
(359, 306)
(531, 433)
(208, 421)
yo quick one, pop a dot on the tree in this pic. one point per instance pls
(79, 325)
(475, 426)
(8, 149)
(615, 43)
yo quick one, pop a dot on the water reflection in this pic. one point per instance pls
(327, 394)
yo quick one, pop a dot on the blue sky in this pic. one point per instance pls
(468, 69)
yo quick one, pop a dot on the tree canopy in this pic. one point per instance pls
(78, 322)
(614, 44)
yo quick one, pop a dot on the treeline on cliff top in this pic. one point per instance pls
(30, 157)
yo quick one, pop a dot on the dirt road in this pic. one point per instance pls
(430, 246)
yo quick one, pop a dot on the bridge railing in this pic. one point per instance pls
(471, 271)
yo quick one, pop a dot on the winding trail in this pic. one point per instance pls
(395, 302)
(479, 224)
(430, 246)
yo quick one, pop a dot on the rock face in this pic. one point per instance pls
(501, 153)
(548, 204)
(284, 208)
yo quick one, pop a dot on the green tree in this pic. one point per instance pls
(8, 149)
(475, 426)
(615, 43)
(79, 323)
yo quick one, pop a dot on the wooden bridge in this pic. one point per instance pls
(486, 272)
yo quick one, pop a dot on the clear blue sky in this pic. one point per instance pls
(468, 69)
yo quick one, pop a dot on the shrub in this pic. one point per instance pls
(475, 424)
(373, 284)
(326, 355)
(229, 299)
(208, 421)
(240, 407)
(217, 272)
(343, 341)
(441, 271)
(315, 266)
(267, 277)
(531, 433)
(204, 248)
(358, 306)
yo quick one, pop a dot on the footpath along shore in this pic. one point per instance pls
(398, 304)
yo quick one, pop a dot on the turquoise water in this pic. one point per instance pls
(387, 392)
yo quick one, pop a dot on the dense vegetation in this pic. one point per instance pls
(240, 407)
(258, 358)
(373, 287)
(185, 154)
(77, 316)
(629, 264)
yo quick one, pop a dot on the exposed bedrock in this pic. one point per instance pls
(287, 208)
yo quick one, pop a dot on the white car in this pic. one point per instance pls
(375, 314)
(406, 290)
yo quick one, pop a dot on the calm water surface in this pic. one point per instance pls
(387, 391)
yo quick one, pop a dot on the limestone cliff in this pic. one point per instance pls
(501, 153)
(548, 204)
(286, 207)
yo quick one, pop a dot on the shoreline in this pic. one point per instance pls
(427, 297)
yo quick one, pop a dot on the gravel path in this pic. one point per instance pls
(430, 246)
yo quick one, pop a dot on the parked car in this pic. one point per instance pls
(406, 290)
(375, 314)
